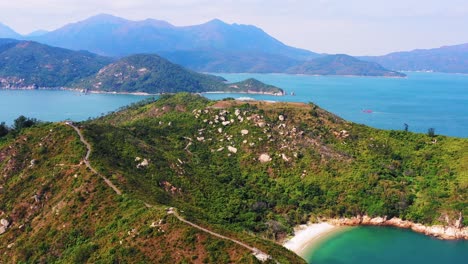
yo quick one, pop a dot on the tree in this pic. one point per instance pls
(4, 129)
(23, 122)
(431, 132)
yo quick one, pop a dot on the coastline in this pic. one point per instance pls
(306, 237)
(445, 232)
(128, 93)
(309, 236)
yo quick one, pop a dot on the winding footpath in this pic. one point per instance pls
(256, 252)
(86, 159)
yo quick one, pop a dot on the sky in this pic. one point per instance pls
(355, 27)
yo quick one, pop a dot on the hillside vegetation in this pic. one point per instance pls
(342, 65)
(60, 212)
(247, 170)
(153, 74)
(30, 65)
(265, 167)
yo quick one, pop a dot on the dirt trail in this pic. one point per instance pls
(86, 159)
(255, 251)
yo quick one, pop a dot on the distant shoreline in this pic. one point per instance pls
(78, 90)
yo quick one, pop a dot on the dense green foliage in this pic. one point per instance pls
(153, 74)
(250, 171)
(19, 124)
(60, 212)
(32, 65)
(26, 63)
(342, 65)
(321, 166)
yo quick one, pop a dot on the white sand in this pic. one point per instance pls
(305, 235)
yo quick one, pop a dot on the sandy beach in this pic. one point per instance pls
(305, 236)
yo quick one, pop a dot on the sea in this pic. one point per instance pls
(422, 101)
(385, 245)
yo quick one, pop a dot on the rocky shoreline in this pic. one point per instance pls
(445, 232)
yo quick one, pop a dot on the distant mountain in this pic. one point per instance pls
(37, 33)
(450, 59)
(7, 32)
(153, 74)
(341, 64)
(231, 62)
(114, 36)
(30, 64)
(214, 46)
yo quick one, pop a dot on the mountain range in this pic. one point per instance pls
(214, 46)
(450, 59)
(28, 64)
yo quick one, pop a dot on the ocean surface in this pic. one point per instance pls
(54, 106)
(422, 100)
(371, 245)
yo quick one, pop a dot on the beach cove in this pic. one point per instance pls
(342, 241)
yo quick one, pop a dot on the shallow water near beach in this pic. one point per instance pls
(385, 245)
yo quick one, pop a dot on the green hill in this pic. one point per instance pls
(153, 74)
(341, 64)
(251, 171)
(30, 64)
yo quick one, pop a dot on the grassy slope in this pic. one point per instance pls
(364, 170)
(79, 219)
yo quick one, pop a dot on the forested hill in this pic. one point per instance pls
(31, 65)
(265, 167)
(152, 74)
(251, 171)
(342, 64)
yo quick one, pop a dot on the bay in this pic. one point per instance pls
(385, 245)
(49, 105)
(422, 100)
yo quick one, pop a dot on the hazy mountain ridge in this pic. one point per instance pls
(7, 32)
(341, 64)
(449, 59)
(97, 33)
(214, 46)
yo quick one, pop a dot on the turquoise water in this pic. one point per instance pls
(59, 105)
(423, 100)
(373, 245)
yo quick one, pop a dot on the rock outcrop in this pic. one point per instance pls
(4, 224)
(264, 158)
(439, 231)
